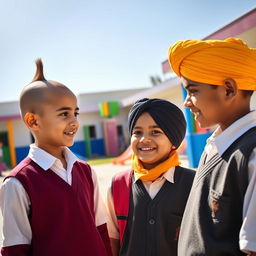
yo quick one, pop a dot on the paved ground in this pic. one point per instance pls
(105, 173)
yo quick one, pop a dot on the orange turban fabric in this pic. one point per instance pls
(213, 61)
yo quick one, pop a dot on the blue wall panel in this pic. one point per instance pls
(78, 148)
(21, 153)
(97, 145)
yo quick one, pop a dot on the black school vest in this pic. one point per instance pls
(213, 216)
(153, 225)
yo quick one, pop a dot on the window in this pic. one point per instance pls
(92, 131)
(120, 130)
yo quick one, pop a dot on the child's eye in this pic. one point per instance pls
(156, 132)
(63, 114)
(137, 132)
(77, 114)
(191, 92)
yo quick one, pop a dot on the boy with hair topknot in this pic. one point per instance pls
(50, 201)
(220, 77)
(146, 203)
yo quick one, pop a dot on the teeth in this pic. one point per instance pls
(146, 149)
(69, 133)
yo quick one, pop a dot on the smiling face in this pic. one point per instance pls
(149, 143)
(57, 124)
(208, 103)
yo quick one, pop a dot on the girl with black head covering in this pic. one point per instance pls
(146, 203)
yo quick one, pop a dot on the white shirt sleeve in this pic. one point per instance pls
(101, 216)
(113, 229)
(247, 237)
(15, 205)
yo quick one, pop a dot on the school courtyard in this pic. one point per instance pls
(96, 136)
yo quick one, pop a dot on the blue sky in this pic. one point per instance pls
(100, 45)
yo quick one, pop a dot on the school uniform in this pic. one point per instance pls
(220, 215)
(59, 210)
(155, 213)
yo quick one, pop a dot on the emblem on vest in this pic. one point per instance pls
(214, 204)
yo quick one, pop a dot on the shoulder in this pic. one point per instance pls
(21, 168)
(243, 148)
(83, 166)
(186, 171)
(247, 141)
(184, 174)
(123, 175)
(11, 184)
(121, 181)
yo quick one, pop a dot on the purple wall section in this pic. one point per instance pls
(236, 27)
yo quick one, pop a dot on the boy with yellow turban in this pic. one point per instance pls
(220, 77)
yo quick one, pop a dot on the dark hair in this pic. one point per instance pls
(39, 75)
(213, 86)
(246, 93)
(35, 94)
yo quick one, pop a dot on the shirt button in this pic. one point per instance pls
(151, 222)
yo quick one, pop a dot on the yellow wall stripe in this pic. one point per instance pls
(11, 143)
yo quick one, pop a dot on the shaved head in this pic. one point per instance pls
(39, 92)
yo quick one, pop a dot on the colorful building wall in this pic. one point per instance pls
(89, 117)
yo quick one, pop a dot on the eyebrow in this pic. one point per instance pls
(190, 85)
(66, 108)
(152, 126)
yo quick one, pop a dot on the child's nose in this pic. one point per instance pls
(187, 102)
(74, 121)
(145, 139)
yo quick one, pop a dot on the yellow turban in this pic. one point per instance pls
(213, 61)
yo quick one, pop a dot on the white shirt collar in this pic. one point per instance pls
(169, 175)
(46, 160)
(219, 141)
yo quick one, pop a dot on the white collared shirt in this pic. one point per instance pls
(152, 189)
(217, 143)
(15, 203)
(47, 161)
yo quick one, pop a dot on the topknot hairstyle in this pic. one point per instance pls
(39, 75)
(36, 93)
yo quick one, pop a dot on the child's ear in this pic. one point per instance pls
(31, 120)
(230, 87)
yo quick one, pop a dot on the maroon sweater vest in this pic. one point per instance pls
(62, 216)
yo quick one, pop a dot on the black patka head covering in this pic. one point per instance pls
(167, 116)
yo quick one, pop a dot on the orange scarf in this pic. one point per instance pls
(154, 173)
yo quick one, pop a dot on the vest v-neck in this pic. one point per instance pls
(59, 180)
(143, 192)
(205, 168)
